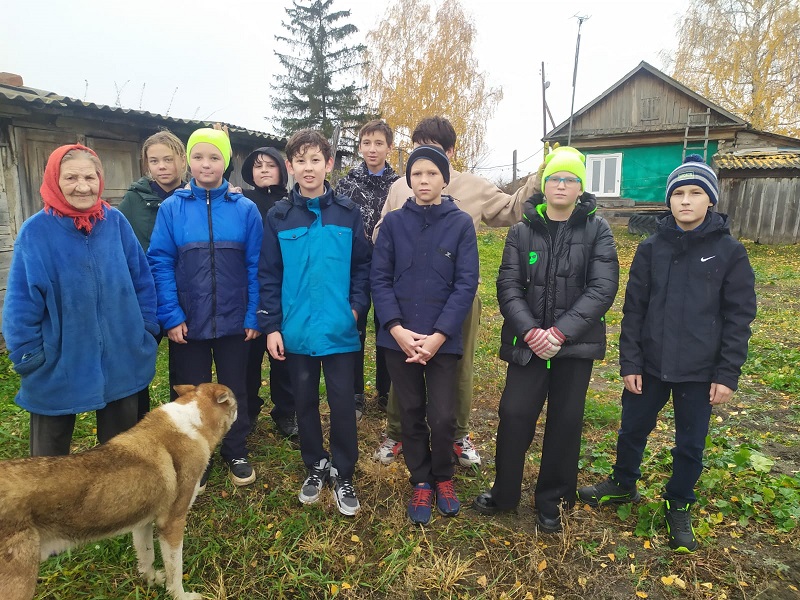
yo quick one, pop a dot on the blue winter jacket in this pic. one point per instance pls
(425, 272)
(314, 271)
(79, 318)
(204, 256)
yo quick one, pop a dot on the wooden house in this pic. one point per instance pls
(637, 131)
(35, 122)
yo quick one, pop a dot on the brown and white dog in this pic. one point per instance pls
(148, 474)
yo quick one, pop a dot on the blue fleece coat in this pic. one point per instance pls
(425, 272)
(314, 271)
(204, 256)
(79, 318)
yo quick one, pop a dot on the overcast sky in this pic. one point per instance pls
(214, 60)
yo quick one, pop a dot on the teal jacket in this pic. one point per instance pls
(313, 272)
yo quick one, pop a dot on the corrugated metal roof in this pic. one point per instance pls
(758, 160)
(42, 98)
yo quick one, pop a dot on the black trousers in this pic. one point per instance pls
(564, 387)
(280, 387)
(191, 363)
(144, 395)
(304, 373)
(690, 401)
(51, 435)
(382, 378)
(428, 426)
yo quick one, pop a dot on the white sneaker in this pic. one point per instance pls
(466, 453)
(318, 476)
(388, 450)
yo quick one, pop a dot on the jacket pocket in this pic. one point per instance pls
(26, 361)
(444, 264)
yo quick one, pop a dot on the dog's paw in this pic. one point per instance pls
(156, 577)
(189, 596)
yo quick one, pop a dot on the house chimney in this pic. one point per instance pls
(10, 79)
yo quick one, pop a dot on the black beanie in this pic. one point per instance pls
(433, 154)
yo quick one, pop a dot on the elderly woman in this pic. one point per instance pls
(79, 317)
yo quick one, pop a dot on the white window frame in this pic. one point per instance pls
(600, 185)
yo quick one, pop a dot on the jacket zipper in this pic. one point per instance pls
(213, 268)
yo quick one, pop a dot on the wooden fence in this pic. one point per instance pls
(762, 209)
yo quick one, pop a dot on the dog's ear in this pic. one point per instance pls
(184, 389)
(224, 394)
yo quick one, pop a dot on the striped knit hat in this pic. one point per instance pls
(694, 171)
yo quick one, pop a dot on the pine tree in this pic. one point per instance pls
(318, 89)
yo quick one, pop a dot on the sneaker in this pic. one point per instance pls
(383, 402)
(548, 524)
(201, 487)
(678, 517)
(286, 426)
(241, 471)
(466, 453)
(388, 451)
(318, 476)
(344, 494)
(446, 500)
(359, 398)
(607, 492)
(419, 507)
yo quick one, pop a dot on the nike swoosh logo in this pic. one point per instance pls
(705, 258)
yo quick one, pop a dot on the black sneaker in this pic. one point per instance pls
(678, 518)
(201, 487)
(344, 494)
(548, 524)
(241, 471)
(359, 399)
(607, 492)
(382, 401)
(287, 426)
(318, 476)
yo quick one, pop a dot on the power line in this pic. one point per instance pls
(519, 162)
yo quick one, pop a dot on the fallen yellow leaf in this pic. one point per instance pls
(482, 581)
(277, 535)
(641, 594)
(548, 597)
(529, 596)
(355, 538)
(334, 589)
(647, 544)
(350, 558)
(582, 581)
(542, 565)
(743, 584)
(611, 556)
(270, 525)
(668, 580)
(346, 586)
(633, 568)
(708, 586)
(680, 583)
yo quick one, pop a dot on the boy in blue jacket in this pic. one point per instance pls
(424, 278)
(686, 324)
(314, 277)
(204, 258)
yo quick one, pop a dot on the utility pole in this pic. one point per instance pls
(514, 167)
(581, 19)
(545, 110)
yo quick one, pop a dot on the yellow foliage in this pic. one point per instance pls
(420, 64)
(745, 56)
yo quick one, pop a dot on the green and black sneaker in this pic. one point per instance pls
(678, 517)
(607, 492)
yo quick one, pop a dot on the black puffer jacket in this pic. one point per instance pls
(688, 305)
(569, 282)
(265, 198)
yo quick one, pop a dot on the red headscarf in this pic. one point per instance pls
(54, 200)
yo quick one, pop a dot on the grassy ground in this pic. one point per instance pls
(258, 542)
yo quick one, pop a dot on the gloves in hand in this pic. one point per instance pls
(539, 344)
(555, 336)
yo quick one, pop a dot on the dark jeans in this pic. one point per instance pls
(192, 365)
(690, 402)
(564, 387)
(51, 435)
(304, 373)
(382, 378)
(427, 446)
(280, 388)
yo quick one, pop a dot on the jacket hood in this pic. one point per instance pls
(534, 208)
(247, 166)
(434, 211)
(141, 186)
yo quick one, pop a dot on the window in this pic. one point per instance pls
(650, 109)
(604, 174)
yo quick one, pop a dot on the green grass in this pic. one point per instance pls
(258, 542)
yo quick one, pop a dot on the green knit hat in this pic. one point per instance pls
(216, 138)
(565, 158)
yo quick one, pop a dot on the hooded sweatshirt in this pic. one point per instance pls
(265, 198)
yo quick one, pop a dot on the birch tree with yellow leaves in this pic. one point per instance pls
(421, 63)
(745, 56)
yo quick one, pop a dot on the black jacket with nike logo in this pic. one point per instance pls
(689, 304)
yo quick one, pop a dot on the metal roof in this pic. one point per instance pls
(758, 160)
(42, 98)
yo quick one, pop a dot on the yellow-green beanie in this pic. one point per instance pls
(215, 137)
(565, 158)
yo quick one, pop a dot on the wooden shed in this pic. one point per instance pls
(760, 192)
(637, 131)
(34, 122)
